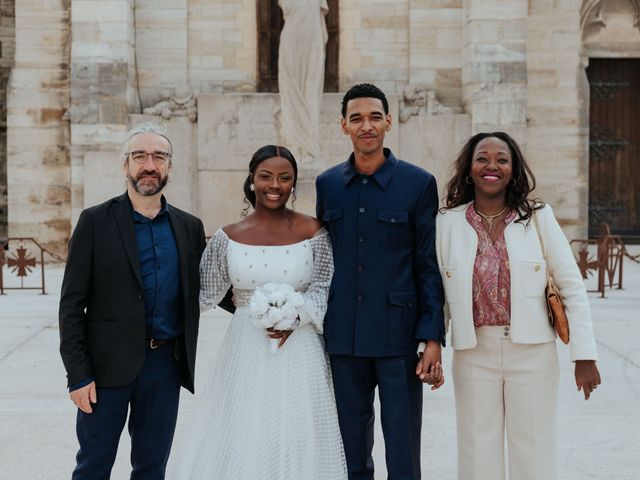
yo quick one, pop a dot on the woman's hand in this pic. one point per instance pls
(429, 367)
(283, 335)
(587, 376)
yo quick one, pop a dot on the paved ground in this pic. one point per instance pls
(599, 439)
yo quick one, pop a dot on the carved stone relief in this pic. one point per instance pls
(420, 100)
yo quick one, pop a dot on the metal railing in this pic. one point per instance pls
(17, 254)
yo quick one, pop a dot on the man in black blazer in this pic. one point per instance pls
(386, 295)
(129, 313)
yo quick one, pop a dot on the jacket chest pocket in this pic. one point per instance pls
(451, 282)
(534, 278)
(333, 220)
(393, 229)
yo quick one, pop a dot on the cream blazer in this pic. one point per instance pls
(456, 244)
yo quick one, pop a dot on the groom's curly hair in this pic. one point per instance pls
(364, 90)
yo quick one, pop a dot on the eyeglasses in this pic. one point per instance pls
(158, 157)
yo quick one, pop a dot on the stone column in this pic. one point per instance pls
(103, 92)
(494, 72)
(558, 111)
(161, 47)
(7, 50)
(37, 132)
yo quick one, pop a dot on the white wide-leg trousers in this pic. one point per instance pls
(500, 383)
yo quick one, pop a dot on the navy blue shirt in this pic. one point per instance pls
(160, 269)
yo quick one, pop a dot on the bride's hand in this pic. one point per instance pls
(283, 335)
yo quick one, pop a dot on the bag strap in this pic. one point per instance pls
(544, 252)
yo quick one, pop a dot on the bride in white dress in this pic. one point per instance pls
(264, 414)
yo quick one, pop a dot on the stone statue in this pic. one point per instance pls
(301, 74)
(179, 104)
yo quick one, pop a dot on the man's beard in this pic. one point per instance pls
(149, 184)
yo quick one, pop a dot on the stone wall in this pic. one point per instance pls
(7, 51)
(37, 132)
(103, 87)
(161, 48)
(557, 111)
(374, 43)
(494, 75)
(209, 46)
(222, 45)
(435, 47)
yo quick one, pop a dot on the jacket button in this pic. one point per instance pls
(393, 220)
(360, 268)
(361, 209)
(537, 268)
(360, 297)
(140, 297)
(448, 274)
(360, 238)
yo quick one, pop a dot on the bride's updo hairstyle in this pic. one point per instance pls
(262, 154)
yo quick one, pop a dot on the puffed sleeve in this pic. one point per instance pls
(214, 271)
(316, 296)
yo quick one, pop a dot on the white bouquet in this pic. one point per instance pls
(275, 305)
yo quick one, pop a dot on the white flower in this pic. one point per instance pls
(276, 306)
(259, 303)
(275, 315)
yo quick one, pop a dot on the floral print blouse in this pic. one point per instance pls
(491, 276)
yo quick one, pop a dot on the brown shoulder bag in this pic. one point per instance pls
(555, 304)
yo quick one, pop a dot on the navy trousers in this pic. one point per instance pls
(153, 400)
(400, 391)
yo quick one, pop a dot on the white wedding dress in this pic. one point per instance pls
(266, 415)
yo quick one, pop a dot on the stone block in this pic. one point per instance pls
(437, 4)
(393, 21)
(496, 10)
(433, 142)
(103, 176)
(232, 126)
(499, 52)
(113, 112)
(449, 38)
(220, 198)
(34, 136)
(513, 113)
(108, 10)
(106, 136)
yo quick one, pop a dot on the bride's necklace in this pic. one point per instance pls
(490, 218)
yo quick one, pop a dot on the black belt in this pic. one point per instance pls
(154, 343)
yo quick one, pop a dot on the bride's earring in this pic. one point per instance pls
(252, 187)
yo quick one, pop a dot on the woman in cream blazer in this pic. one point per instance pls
(505, 365)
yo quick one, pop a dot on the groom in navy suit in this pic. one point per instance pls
(386, 296)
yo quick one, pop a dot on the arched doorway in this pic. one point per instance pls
(611, 42)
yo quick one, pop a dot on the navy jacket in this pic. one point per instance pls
(386, 294)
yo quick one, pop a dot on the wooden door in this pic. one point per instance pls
(614, 146)
(270, 23)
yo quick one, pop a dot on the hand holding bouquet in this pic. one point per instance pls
(275, 306)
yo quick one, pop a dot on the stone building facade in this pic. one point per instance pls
(76, 74)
